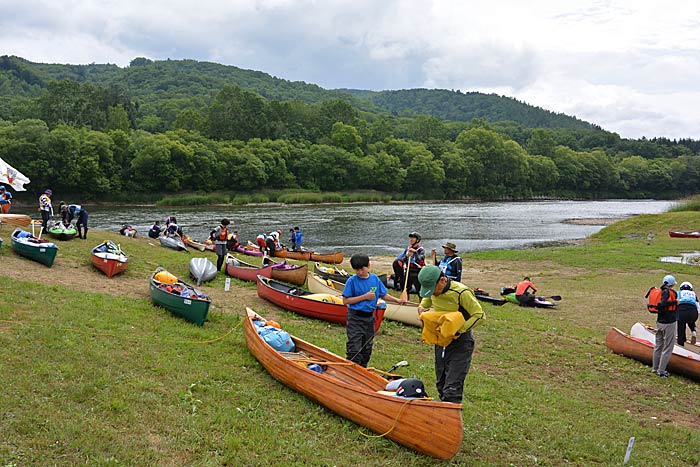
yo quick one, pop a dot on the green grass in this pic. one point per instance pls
(278, 196)
(95, 378)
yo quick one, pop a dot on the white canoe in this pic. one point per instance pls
(174, 243)
(202, 270)
(407, 314)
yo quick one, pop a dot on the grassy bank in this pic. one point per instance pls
(93, 374)
(282, 196)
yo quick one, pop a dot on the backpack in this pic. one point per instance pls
(654, 295)
(212, 235)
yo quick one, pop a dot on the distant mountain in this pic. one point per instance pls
(189, 83)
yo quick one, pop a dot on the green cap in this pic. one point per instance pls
(428, 278)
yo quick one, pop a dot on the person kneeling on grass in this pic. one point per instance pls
(361, 293)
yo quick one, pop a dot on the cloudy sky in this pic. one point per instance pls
(630, 66)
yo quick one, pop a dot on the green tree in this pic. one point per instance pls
(346, 137)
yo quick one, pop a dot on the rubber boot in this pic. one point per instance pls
(80, 233)
(85, 233)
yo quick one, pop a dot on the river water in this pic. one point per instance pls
(382, 229)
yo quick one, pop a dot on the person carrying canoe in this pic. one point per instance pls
(5, 200)
(450, 264)
(360, 295)
(414, 255)
(155, 230)
(45, 208)
(68, 212)
(220, 237)
(522, 292)
(449, 327)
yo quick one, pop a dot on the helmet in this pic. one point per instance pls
(686, 286)
(411, 387)
(669, 280)
(2, 187)
(415, 235)
(48, 192)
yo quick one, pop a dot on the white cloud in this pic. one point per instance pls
(630, 66)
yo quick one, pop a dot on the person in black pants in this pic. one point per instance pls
(414, 255)
(687, 313)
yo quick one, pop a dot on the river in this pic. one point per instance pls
(382, 229)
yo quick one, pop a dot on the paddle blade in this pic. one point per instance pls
(404, 294)
(556, 298)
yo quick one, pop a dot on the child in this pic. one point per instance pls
(298, 239)
(361, 293)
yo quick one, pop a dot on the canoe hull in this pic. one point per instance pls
(108, 258)
(62, 234)
(281, 295)
(41, 251)
(194, 244)
(684, 234)
(192, 310)
(430, 427)
(330, 258)
(202, 270)
(247, 272)
(298, 255)
(293, 275)
(172, 243)
(248, 252)
(642, 350)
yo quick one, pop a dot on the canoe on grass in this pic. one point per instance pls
(34, 248)
(202, 270)
(246, 271)
(407, 314)
(16, 220)
(298, 255)
(339, 274)
(62, 232)
(109, 258)
(193, 243)
(248, 251)
(639, 345)
(180, 298)
(291, 273)
(429, 427)
(172, 242)
(676, 234)
(330, 258)
(321, 306)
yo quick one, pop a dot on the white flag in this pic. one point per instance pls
(14, 177)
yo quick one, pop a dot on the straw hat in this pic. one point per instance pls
(451, 246)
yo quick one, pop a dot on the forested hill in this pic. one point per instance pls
(153, 82)
(458, 106)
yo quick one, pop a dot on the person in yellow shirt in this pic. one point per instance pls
(450, 299)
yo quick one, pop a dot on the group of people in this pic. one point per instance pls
(68, 212)
(5, 200)
(270, 243)
(676, 311)
(439, 288)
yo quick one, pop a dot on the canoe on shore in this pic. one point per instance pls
(16, 220)
(173, 243)
(407, 314)
(180, 298)
(639, 345)
(330, 258)
(193, 243)
(677, 234)
(429, 427)
(297, 255)
(202, 270)
(245, 271)
(109, 258)
(34, 248)
(321, 306)
(61, 232)
(292, 273)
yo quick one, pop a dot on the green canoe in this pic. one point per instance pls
(180, 298)
(62, 232)
(29, 246)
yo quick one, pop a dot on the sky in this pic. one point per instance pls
(630, 66)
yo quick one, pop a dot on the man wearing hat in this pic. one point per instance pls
(451, 264)
(452, 361)
(45, 208)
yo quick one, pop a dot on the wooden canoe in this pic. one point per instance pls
(193, 243)
(16, 220)
(109, 258)
(202, 270)
(676, 234)
(246, 271)
(429, 427)
(291, 273)
(639, 345)
(297, 300)
(193, 307)
(407, 314)
(34, 248)
(330, 258)
(298, 255)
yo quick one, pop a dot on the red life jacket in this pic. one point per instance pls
(223, 235)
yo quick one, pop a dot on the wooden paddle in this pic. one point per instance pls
(404, 292)
(556, 298)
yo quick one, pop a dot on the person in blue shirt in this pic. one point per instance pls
(687, 313)
(298, 239)
(5, 200)
(361, 294)
(155, 230)
(451, 264)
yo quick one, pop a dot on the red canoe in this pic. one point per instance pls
(672, 233)
(296, 300)
(246, 271)
(109, 258)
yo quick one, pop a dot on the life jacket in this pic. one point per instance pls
(441, 327)
(223, 234)
(654, 296)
